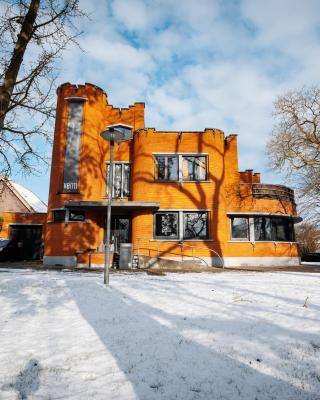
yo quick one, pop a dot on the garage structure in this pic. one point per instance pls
(22, 221)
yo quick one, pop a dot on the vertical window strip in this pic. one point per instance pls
(121, 179)
(73, 144)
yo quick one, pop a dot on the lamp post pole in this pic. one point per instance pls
(108, 238)
(113, 134)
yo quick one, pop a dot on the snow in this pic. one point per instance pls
(232, 335)
(30, 198)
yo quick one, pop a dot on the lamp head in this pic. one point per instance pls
(117, 133)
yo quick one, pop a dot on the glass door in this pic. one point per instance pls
(120, 231)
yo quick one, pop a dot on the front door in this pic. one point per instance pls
(120, 231)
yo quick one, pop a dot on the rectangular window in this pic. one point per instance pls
(195, 225)
(59, 215)
(166, 168)
(166, 225)
(239, 228)
(180, 167)
(77, 215)
(194, 168)
(121, 180)
(73, 144)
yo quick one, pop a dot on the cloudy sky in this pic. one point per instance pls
(198, 64)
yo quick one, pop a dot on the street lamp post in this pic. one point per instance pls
(112, 134)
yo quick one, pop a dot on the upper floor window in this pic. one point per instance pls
(194, 168)
(166, 168)
(181, 167)
(121, 179)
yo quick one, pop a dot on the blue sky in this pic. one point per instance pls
(197, 64)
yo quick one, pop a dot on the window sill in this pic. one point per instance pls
(116, 198)
(168, 181)
(68, 193)
(181, 241)
(68, 222)
(261, 241)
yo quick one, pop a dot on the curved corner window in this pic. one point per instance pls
(277, 229)
(262, 228)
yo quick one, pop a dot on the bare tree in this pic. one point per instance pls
(308, 237)
(294, 147)
(33, 34)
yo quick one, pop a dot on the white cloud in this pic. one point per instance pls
(131, 13)
(200, 63)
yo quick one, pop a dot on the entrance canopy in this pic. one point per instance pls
(125, 206)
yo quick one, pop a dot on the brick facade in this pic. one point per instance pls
(225, 192)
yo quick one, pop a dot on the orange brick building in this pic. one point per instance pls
(175, 194)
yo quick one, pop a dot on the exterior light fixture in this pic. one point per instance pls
(113, 134)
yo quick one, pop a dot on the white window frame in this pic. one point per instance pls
(180, 166)
(252, 238)
(122, 180)
(247, 239)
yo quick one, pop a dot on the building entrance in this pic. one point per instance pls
(120, 231)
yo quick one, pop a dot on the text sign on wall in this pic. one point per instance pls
(73, 144)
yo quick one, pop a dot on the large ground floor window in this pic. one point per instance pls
(181, 225)
(262, 228)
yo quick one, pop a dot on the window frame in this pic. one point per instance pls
(156, 168)
(59, 210)
(67, 215)
(69, 219)
(251, 228)
(180, 157)
(155, 226)
(180, 237)
(122, 163)
(247, 239)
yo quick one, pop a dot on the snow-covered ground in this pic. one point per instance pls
(233, 335)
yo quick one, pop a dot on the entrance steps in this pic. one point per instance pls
(146, 262)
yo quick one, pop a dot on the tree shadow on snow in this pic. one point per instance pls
(160, 362)
(27, 381)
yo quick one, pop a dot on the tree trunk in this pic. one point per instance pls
(11, 74)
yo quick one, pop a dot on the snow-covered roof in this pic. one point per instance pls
(29, 197)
